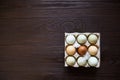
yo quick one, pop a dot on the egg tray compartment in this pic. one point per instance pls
(76, 45)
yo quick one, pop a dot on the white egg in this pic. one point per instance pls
(70, 60)
(93, 50)
(93, 61)
(81, 39)
(92, 39)
(81, 61)
(70, 39)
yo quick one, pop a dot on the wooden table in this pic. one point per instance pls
(32, 38)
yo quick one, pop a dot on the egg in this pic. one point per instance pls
(93, 61)
(92, 50)
(70, 39)
(70, 50)
(81, 61)
(81, 39)
(92, 38)
(70, 61)
(82, 50)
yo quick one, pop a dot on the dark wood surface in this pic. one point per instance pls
(32, 38)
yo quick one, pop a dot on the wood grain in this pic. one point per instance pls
(32, 38)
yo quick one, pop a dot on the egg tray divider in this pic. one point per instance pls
(76, 45)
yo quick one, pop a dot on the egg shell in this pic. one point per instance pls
(82, 50)
(92, 38)
(70, 60)
(93, 61)
(81, 61)
(81, 39)
(70, 39)
(92, 50)
(70, 50)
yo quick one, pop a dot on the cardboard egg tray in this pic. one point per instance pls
(76, 45)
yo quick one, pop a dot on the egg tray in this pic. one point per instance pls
(76, 45)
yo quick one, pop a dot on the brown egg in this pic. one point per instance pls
(70, 50)
(82, 50)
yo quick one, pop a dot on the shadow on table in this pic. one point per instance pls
(81, 71)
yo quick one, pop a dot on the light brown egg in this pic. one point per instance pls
(82, 50)
(70, 50)
(92, 50)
